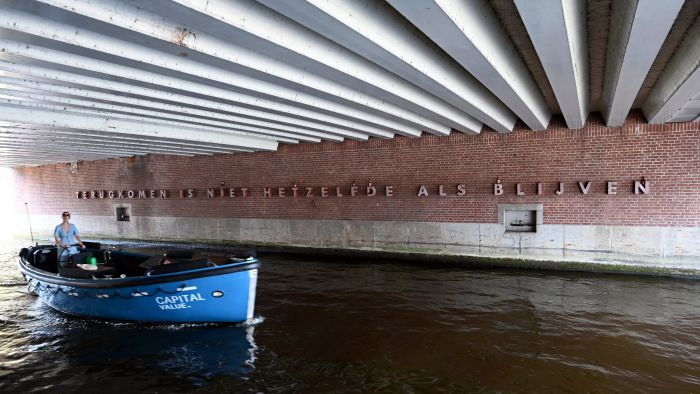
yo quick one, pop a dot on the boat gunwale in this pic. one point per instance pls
(108, 283)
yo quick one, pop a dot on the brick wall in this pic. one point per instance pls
(668, 156)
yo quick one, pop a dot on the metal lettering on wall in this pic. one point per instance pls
(640, 187)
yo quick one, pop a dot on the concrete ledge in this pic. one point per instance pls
(438, 259)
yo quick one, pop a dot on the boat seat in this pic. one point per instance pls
(81, 257)
(72, 271)
(128, 263)
(46, 260)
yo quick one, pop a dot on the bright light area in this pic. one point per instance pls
(10, 207)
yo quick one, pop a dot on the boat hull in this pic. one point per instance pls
(207, 295)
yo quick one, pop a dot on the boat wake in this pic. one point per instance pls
(253, 321)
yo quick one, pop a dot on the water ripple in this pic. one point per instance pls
(357, 326)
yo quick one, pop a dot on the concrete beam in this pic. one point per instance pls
(186, 103)
(107, 137)
(9, 88)
(558, 31)
(32, 156)
(100, 145)
(113, 102)
(53, 56)
(27, 23)
(334, 61)
(48, 153)
(68, 155)
(638, 28)
(33, 162)
(18, 147)
(377, 32)
(128, 117)
(471, 33)
(84, 153)
(155, 25)
(680, 82)
(52, 118)
(13, 145)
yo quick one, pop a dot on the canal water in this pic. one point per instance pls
(331, 326)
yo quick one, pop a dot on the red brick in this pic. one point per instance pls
(668, 156)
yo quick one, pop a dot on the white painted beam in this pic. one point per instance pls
(58, 141)
(557, 29)
(10, 148)
(38, 135)
(334, 61)
(32, 162)
(15, 149)
(135, 118)
(638, 28)
(680, 82)
(103, 136)
(58, 145)
(471, 33)
(377, 32)
(49, 154)
(52, 157)
(23, 22)
(49, 55)
(50, 118)
(170, 111)
(186, 103)
(156, 141)
(9, 88)
(108, 137)
(137, 19)
(68, 156)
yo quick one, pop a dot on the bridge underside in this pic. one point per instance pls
(88, 79)
(555, 130)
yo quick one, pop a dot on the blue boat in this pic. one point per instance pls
(178, 287)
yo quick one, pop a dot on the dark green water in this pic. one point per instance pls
(363, 326)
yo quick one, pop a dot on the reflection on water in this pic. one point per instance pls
(341, 326)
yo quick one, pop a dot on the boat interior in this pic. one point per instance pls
(97, 262)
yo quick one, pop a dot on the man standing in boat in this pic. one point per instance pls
(67, 238)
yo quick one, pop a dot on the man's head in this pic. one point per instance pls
(65, 215)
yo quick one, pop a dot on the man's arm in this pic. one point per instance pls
(82, 245)
(58, 240)
(77, 237)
